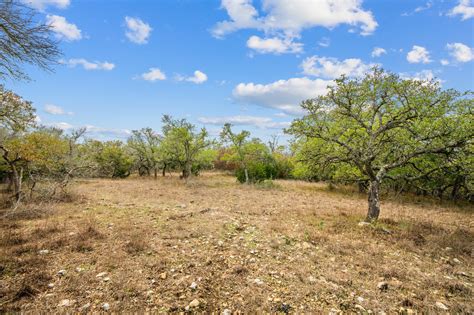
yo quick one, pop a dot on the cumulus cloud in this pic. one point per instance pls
(88, 65)
(198, 77)
(444, 62)
(153, 74)
(333, 68)
(42, 4)
(283, 95)
(418, 54)
(56, 110)
(256, 121)
(460, 52)
(274, 45)
(378, 51)
(291, 17)
(424, 75)
(63, 29)
(465, 9)
(138, 31)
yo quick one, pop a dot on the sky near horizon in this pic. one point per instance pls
(126, 63)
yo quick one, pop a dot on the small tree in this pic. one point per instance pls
(144, 145)
(23, 40)
(381, 123)
(237, 142)
(16, 116)
(182, 144)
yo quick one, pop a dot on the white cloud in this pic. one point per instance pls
(259, 122)
(61, 125)
(324, 42)
(106, 133)
(464, 8)
(444, 62)
(42, 4)
(460, 52)
(88, 65)
(284, 95)
(153, 74)
(138, 31)
(274, 45)
(291, 17)
(419, 9)
(198, 77)
(333, 68)
(63, 29)
(56, 110)
(378, 51)
(424, 75)
(418, 54)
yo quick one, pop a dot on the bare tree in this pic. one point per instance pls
(24, 41)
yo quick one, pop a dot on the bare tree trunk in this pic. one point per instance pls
(156, 173)
(374, 201)
(164, 170)
(246, 175)
(16, 182)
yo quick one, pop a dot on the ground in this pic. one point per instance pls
(212, 244)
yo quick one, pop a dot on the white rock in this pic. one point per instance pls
(457, 261)
(85, 307)
(226, 312)
(194, 303)
(363, 223)
(360, 299)
(441, 306)
(102, 274)
(50, 285)
(383, 286)
(65, 303)
(44, 252)
(79, 269)
(106, 306)
(106, 279)
(193, 286)
(312, 279)
(62, 272)
(258, 281)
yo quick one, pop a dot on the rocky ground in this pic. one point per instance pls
(214, 245)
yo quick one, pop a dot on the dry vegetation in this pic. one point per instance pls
(213, 245)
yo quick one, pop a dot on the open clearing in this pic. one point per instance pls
(215, 245)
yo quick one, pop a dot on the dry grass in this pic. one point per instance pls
(288, 247)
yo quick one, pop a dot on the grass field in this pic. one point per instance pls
(213, 245)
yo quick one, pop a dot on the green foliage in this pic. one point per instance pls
(111, 158)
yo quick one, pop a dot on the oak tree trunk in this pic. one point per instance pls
(374, 201)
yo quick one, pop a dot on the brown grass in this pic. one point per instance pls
(292, 247)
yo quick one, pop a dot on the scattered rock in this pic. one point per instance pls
(50, 285)
(106, 279)
(360, 299)
(306, 245)
(182, 206)
(106, 306)
(383, 286)
(363, 223)
(194, 303)
(441, 306)
(258, 281)
(193, 286)
(163, 275)
(66, 303)
(226, 312)
(456, 261)
(102, 274)
(62, 273)
(312, 279)
(44, 252)
(79, 269)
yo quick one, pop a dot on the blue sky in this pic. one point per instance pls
(126, 63)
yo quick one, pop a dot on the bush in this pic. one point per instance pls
(257, 171)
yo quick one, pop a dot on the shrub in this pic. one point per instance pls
(257, 171)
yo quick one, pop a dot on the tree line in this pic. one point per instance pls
(379, 132)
